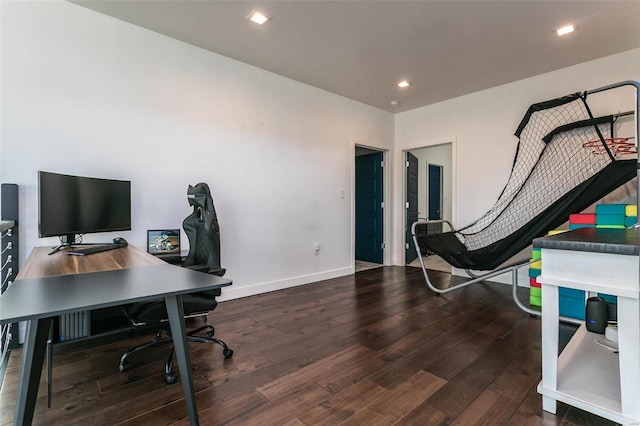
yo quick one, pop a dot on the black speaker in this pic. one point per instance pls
(596, 315)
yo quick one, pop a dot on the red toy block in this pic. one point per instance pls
(582, 218)
(534, 283)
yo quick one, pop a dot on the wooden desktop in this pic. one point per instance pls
(40, 264)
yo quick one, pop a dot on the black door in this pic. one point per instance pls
(369, 207)
(435, 192)
(411, 205)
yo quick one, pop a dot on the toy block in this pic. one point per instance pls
(572, 308)
(536, 265)
(629, 221)
(572, 302)
(573, 226)
(610, 226)
(610, 219)
(583, 218)
(608, 298)
(534, 283)
(631, 210)
(610, 209)
(536, 254)
(557, 231)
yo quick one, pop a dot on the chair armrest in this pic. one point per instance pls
(204, 268)
(218, 272)
(199, 268)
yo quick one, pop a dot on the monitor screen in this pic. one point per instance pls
(69, 205)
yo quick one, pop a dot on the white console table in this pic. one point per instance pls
(586, 375)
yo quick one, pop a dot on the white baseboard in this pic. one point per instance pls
(236, 292)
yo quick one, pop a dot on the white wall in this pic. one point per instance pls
(83, 93)
(483, 123)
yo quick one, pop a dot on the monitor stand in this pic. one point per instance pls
(66, 241)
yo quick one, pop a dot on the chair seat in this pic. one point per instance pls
(156, 310)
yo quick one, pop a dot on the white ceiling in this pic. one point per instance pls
(361, 49)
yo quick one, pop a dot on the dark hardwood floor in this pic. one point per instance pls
(375, 348)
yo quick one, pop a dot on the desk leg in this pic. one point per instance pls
(34, 349)
(178, 333)
(49, 364)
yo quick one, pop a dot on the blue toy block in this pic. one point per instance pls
(572, 303)
(573, 226)
(610, 209)
(630, 221)
(610, 219)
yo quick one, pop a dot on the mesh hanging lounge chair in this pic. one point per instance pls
(566, 160)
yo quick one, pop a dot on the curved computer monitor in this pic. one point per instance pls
(70, 205)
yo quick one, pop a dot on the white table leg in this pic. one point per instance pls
(550, 319)
(629, 352)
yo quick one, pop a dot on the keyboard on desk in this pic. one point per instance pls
(92, 249)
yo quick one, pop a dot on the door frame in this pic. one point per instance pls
(386, 197)
(409, 158)
(454, 187)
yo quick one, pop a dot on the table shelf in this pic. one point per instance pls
(589, 377)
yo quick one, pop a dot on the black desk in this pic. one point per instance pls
(39, 300)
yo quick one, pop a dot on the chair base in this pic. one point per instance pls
(192, 336)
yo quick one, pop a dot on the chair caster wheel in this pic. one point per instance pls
(170, 378)
(227, 353)
(124, 366)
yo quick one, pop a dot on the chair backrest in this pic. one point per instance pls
(202, 229)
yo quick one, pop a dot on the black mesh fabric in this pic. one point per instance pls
(552, 176)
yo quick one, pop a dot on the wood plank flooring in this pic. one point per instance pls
(374, 348)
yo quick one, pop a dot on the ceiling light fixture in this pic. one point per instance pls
(404, 83)
(258, 17)
(565, 30)
(394, 103)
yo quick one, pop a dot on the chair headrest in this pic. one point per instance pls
(199, 196)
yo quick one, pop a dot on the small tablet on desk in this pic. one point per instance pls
(164, 244)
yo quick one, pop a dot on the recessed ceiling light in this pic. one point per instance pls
(394, 103)
(565, 30)
(404, 83)
(258, 17)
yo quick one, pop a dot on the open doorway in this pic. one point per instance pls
(369, 208)
(428, 195)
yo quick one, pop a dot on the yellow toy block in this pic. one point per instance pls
(631, 210)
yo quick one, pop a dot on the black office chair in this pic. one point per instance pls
(202, 229)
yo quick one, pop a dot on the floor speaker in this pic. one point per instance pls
(596, 315)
